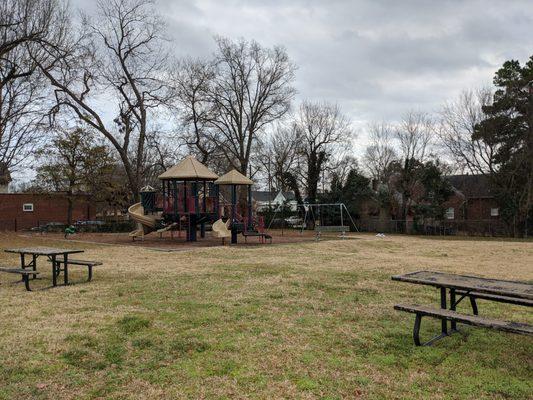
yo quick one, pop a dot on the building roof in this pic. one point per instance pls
(45, 194)
(266, 196)
(472, 186)
(289, 196)
(189, 169)
(234, 177)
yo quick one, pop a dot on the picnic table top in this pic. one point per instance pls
(522, 290)
(43, 251)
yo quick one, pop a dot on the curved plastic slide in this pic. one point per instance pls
(146, 222)
(220, 229)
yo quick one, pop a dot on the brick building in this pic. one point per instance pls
(472, 199)
(472, 209)
(26, 210)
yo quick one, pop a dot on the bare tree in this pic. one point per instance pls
(458, 120)
(414, 137)
(250, 90)
(322, 130)
(23, 22)
(192, 80)
(278, 155)
(415, 134)
(380, 153)
(163, 150)
(22, 109)
(120, 59)
(341, 168)
(23, 25)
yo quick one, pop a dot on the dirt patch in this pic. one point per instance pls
(176, 241)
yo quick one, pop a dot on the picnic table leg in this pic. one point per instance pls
(34, 265)
(416, 330)
(22, 264)
(65, 269)
(473, 304)
(444, 323)
(416, 333)
(54, 272)
(453, 324)
(26, 279)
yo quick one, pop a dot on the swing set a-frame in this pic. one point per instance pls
(324, 222)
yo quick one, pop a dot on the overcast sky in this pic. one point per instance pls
(377, 59)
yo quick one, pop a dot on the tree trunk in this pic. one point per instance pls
(70, 202)
(529, 201)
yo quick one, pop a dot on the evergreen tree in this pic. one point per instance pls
(356, 191)
(509, 129)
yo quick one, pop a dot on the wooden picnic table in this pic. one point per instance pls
(473, 287)
(52, 253)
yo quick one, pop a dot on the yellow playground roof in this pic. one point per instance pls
(233, 177)
(189, 169)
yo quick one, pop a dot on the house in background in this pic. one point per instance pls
(472, 199)
(471, 209)
(264, 198)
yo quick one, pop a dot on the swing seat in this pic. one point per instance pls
(331, 228)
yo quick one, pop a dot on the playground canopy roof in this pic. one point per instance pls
(233, 177)
(189, 169)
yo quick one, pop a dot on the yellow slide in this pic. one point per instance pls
(221, 229)
(146, 223)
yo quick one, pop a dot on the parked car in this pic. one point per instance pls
(49, 227)
(294, 221)
(90, 226)
(90, 223)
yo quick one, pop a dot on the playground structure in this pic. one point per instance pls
(191, 197)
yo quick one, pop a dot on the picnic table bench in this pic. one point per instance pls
(460, 287)
(85, 263)
(57, 257)
(25, 273)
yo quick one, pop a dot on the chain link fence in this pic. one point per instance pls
(15, 225)
(495, 228)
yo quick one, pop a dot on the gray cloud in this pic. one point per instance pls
(377, 59)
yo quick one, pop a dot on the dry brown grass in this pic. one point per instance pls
(305, 320)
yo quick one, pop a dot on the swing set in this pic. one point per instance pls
(324, 218)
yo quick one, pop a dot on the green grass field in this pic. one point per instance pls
(303, 321)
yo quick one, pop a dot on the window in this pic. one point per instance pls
(28, 207)
(450, 213)
(494, 212)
